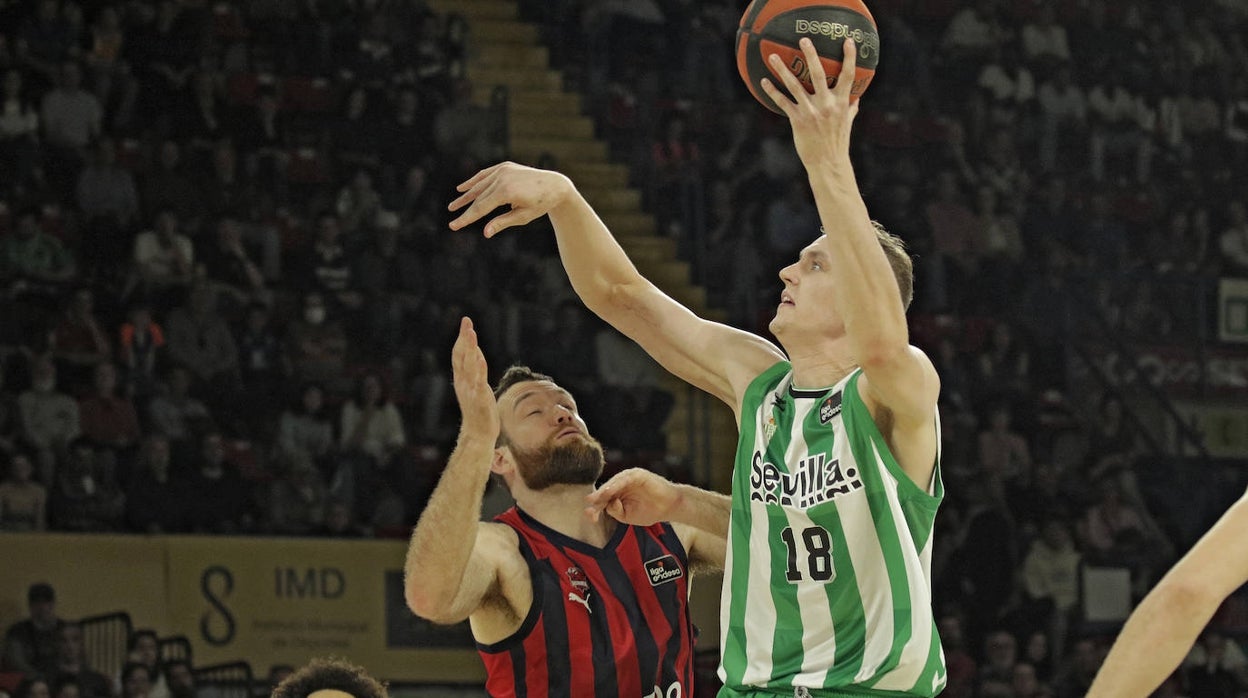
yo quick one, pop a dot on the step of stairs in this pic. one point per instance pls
(516, 78)
(531, 148)
(474, 10)
(524, 125)
(511, 55)
(503, 31)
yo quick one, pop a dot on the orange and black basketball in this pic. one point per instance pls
(775, 26)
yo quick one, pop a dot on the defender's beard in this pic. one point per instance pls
(577, 462)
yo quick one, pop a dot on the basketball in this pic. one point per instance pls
(775, 26)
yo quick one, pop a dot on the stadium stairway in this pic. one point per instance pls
(545, 118)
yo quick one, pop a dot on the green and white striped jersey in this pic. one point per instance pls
(827, 583)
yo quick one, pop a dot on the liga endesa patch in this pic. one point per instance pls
(662, 570)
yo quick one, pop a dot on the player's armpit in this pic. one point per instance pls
(706, 551)
(901, 392)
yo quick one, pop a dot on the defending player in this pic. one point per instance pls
(827, 584)
(562, 601)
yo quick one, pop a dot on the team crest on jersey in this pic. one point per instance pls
(829, 408)
(664, 569)
(769, 429)
(580, 586)
(813, 481)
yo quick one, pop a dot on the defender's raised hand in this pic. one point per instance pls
(821, 120)
(635, 496)
(472, 385)
(526, 191)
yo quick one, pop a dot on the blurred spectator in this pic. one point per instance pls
(960, 666)
(140, 344)
(408, 133)
(200, 341)
(168, 187)
(108, 418)
(71, 118)
(201, 114)
(1044, 40)
(167, 55)
(136, 681)
(263, 134)
(298, 500)
(229, 267)
(974, 32)
(1078, 669)
(955, 248)
(110, 74)
(174, 412)
(79, 341)
(86, 496)
(464, 129)
(72, 665)
(1063, 116)
(260, 363)
(1216, 666)
(316, 344)
(1000, 656)
(222, 499)
(1024, 684)
(1000, 242)
(222, 190)
(44, 40)
(305, 431)
(180, 678)
(30, 644)
(1051, 582)
(357, 205)
(357, 135)
(164, 257)
(33, 686)
(393, 278)
(23, 502)
(339, 522)
(49, 419)
(29, 253)
(791, 222)
(371, 423)
(1116, 533)
(154, 502)
(1233, 242)
(325, 267)
(1004, 456)
(631, 392)
(67, 688)
(19, 133)
(107, 197)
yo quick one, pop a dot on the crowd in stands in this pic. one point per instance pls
(1063, 170)
(47, 656)
(227, 295)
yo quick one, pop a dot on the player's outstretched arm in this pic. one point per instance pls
(1162, 629)
(716, 358)
(898, 376)
(642, 498)
(453, 561)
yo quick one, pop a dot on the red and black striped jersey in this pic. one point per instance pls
(608, 623)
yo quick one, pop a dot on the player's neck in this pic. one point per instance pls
(562, 508)
(820, 367)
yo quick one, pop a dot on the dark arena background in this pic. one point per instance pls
(229, 295)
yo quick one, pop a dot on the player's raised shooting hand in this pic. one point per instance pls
(821, 120)
(478, 409)
(526, 192)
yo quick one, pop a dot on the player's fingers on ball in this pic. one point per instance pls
(818, 76)
(849, 67)
(791, 83)
(780, 99)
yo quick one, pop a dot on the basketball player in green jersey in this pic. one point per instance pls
(827, 586)
(1161, 630)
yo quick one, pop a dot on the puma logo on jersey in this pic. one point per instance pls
(814, 480)
(584, 602)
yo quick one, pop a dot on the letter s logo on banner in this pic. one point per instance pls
(214, 598)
